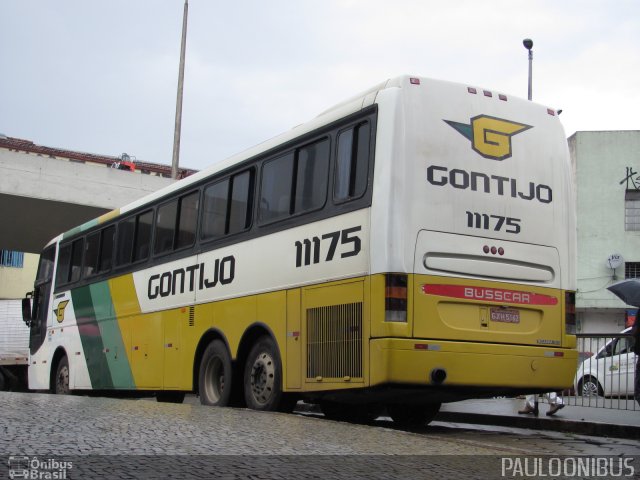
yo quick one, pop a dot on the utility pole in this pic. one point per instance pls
(176, 134)
(528, 44)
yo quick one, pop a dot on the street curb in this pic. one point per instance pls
(536, 423)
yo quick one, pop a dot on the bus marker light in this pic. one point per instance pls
(494, 250)
(487, 93)
(486, 249)
(551, 112)
(554, 354)
(501, 251)
(414, 81)
(472, 90)
(502, 97)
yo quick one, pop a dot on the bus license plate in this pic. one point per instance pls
(505, 315)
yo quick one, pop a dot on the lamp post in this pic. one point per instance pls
(176, 133)
(528, 44)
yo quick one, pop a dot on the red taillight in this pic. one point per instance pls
(395, 301)
(570, 312)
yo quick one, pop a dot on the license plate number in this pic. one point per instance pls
(505, 315)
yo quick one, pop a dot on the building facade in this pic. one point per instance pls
(607, 171)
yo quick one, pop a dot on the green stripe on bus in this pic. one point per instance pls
(91, 338)
(115, 352)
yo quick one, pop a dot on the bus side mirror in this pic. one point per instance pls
(26, 309)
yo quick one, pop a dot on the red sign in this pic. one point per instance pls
(490, 294)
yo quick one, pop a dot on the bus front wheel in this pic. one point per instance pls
(263, 376)
(61, 380)
(214, 383)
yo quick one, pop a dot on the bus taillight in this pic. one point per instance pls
(570, 312)
(395, 298)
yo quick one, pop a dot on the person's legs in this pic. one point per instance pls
(555, 403)
(530, 405)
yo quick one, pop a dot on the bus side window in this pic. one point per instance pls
(62, 273)
(124, 242)
(165, 227)
(142, 242)
(76, 260)
(227, 206)
(70, 262)
(214, 216)
(240, 204)
(106, 249)
(187, 220)
(352, 163)
(275, 190)
(311, 172)
(91, 252)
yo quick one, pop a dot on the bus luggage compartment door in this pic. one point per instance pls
(509, 294)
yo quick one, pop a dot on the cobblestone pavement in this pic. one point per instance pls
(114, 438)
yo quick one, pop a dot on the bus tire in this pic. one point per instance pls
(215, 378)
(263, 376)
(61, 379)
(409, 416)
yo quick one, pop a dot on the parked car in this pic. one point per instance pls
(610, 372)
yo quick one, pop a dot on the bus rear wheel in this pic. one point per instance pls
(214, 382)
(61, 380)
(263, 376)
(409, 416)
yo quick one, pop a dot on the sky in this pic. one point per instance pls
(100, 76)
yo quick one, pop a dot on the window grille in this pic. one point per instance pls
(9, 258)
(632, 210)
(632, 270)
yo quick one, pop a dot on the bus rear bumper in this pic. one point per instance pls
(435, 363)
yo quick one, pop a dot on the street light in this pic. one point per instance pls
(175, 160)
(528, 44)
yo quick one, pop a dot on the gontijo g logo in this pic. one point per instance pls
(490, 136)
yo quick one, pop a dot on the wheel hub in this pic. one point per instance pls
(262, 377)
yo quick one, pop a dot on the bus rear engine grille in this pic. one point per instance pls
(334, 342)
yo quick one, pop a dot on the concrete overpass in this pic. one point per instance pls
(43, 195)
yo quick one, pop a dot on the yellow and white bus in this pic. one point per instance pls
(410, 246)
